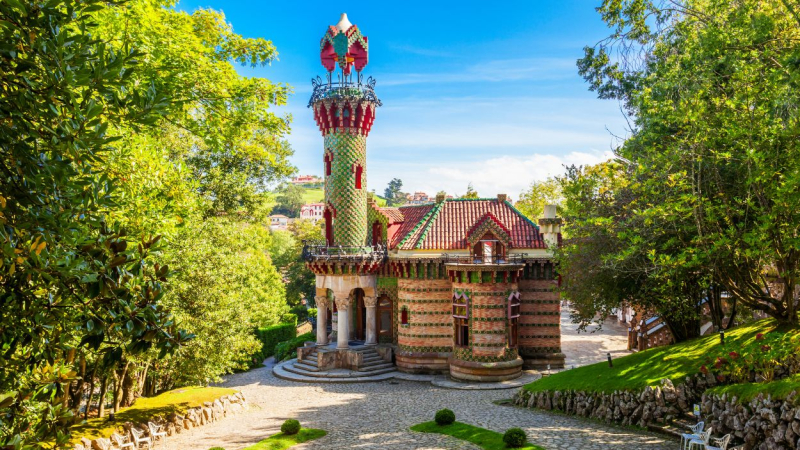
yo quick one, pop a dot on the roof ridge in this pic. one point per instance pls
(416, 227)
(514, 208)
(435, 210)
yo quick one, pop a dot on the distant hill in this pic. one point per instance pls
(318, 195)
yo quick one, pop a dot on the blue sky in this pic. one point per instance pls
(477, 92)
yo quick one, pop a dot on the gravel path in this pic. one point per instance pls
(378, 415)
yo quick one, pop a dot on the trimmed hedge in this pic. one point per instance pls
(270, 337)
(290, 426)
(287, 348)
(445, 417)
(515, 437)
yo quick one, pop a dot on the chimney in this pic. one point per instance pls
(502, 198)
(550, 226)
(440, 198)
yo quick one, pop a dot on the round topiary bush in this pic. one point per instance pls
(291, 426)
(515, 438)
(445, 417)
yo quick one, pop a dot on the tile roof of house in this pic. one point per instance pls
(393, 214)
(446, 225)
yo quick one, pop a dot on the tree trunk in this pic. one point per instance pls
(91, 390)
(129, 389)
(118, 386)
(101, 407)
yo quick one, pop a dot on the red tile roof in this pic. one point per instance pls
(446, 225)
(412, 215)
(393, 214)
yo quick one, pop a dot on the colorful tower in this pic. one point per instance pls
(344, 110)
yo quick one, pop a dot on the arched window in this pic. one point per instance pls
(377, 233)
(513, 319)
(461, 319)
(328, 226)
(404, 316)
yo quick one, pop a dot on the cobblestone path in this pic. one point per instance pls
(377, 416)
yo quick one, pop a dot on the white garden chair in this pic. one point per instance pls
(694, 434)
(139, 438)
(721, 443)
(121, 442)
(702, 442)
(156, 432)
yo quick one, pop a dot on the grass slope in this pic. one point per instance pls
(639, 370)
(745, 392)
(483, 438)
(145, 408)
(282, 441)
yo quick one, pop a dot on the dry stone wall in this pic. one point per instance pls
(177, 423)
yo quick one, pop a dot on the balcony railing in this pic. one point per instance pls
(322, 252)
(517, 258)
(344, 88)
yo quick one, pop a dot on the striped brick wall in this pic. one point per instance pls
(488, 317)
(430, 319)
(540, 322)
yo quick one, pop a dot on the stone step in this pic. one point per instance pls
(306, 366)
(343, 375)
(374, 362)
(372, 358)
(310, 358)
(377, 370)
(376, 367)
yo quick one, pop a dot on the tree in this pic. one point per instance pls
(710, 88)
(539, 194)
(289, 200)
(70, 280)
(301, 282)
(442, 194)
(393, 193)
(471, 192)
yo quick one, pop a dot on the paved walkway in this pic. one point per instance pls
(589, 347)
(378, 415)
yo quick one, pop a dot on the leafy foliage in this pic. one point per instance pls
(515, 437)
(539, 194)
(471, 192)
(287, 349)
(290, 426)
(270, 337)
(394, 194)
(69, 278)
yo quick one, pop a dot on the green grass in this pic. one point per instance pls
(174, 401)
(483, 438)
(639, 370)
(745, 392)
(281, 441)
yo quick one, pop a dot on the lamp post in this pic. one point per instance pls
(722, 336)
(610, 364)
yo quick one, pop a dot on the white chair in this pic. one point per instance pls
(721, 443)
(702, 442)
(121, 442)
(139, 438)
(156, 432)
(695, 434)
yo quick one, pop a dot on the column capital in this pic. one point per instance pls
(370, 301)
(322, 301)
(342, 301)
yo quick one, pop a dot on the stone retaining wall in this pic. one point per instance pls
(176, 423)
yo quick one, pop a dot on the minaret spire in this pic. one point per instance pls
(344, 110)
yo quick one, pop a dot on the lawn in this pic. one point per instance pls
(639, 370)
(281, 441)
(145, 408)
(483, 438)
(745, 392)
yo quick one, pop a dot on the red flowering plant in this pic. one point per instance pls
(757, 360)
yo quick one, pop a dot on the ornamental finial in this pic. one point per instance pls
(343, 24)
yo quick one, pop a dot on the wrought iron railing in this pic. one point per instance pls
(516, 258)
(344, 88)
(320, 251)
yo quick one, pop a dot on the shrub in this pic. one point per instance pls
(289, 318)
(291, 426)
(216, 448)
(445, 417)
(515, 438)
(286, 348)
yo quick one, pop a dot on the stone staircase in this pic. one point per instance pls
(373, 365)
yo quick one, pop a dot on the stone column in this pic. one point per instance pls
(343, 327)
(370, 303)
(322, 319)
